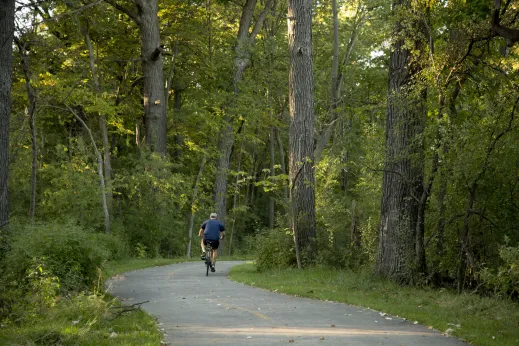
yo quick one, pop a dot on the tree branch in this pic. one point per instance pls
(128, 308)
(509, 34)
(125, 10)
(261, 19)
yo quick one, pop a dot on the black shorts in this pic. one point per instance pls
(214, 243)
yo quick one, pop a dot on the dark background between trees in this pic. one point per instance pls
(132, 120)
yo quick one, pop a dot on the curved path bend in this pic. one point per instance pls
(193, 309)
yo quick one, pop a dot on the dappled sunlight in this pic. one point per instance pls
(296, 331)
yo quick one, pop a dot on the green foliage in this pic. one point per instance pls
(153, 221)
(62, 253)
(71, 188)
(84, 319)
(505, 280)
(275, 249)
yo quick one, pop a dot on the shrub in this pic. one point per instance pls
(504, 281)
(116, 246)
(66, 252)
(275, 249)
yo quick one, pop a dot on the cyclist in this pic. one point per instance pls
(211, 231)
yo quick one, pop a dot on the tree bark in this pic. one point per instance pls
(6, 54)
(235, 202)
(403, 173)
(193, 202)
(146, 18)
(107, 161)
(272, 200)
(30, 111)
(336, 77)
(282, 162)
(242, 58)
(301, 105)
(99, 169)
(466, 254)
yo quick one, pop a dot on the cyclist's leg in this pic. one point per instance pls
(215, 254)
(203, 248)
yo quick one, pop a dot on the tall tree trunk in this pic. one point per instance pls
(99, 170)
(107, 157)
(403, 172)
(193, 203)
(177, 107)
(152, 70)
(242, 58)
(301, 105)
(272, 200)
(145, 15)
(31, 110)
(338, 78)
(235, 201)
(282, 162)
(466, 253)
(6, 55)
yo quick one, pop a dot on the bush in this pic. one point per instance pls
(117, 246)
(66, 252)
(275, 249)
(504, 281)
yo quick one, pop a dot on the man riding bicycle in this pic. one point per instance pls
(211, 231)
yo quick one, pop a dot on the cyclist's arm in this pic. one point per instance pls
(222, 231)
(202, 228)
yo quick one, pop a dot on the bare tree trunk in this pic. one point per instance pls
(403, 172)
(301, 105)
(272, 200)
(282, 162)
(99, 169)
(244, 43)
(337, 78)
(193, 202)
(466, 255)
(235, 203)
(145, 15)
(107, 162)
(6, 55)
(30, 111)
(177, 106)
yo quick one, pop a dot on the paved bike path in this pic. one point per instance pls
(193, 309)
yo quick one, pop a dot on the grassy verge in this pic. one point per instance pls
(118, 267)
(84, 320)
(122, 266)
(89, 319)
(480, 321)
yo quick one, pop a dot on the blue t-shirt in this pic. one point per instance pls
(212, 229)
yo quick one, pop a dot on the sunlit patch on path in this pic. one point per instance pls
(297, 331)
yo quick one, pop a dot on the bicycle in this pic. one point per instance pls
(208, 257)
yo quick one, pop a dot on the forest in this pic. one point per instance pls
(370, 133)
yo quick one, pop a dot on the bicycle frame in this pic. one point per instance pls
(208, 257)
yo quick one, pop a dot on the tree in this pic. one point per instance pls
(6, 52)
(30, 111)
(243, 53)
(403, 168)
(145, 15)
(301, 105)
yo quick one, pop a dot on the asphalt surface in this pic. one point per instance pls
(193, 309)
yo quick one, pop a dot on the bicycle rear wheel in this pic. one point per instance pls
(208, 259)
